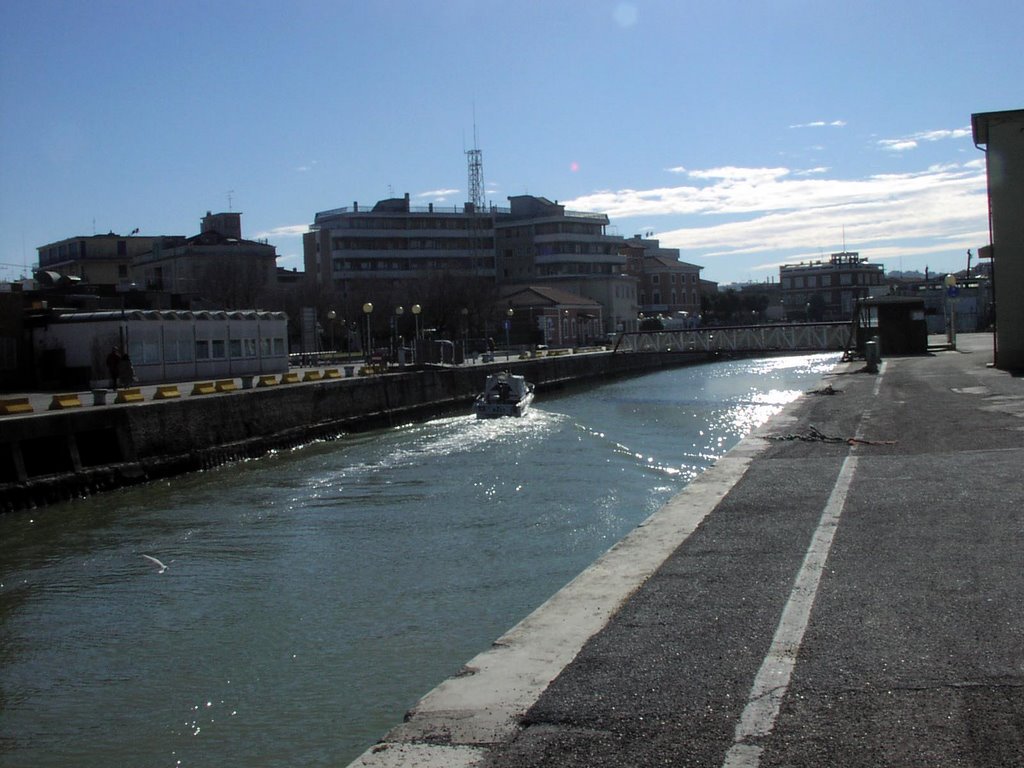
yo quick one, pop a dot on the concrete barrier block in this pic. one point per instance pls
(226, 385)
(266, 381)
(312, 376)
(16, 405)
(60, 402)
(131, 395)
(166, 392)
(290, 378)
(203, 388)
(332, 373)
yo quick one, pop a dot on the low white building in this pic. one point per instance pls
(166, 346)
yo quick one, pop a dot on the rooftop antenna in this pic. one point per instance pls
(475, 161)
(844, 238)
(230, 193)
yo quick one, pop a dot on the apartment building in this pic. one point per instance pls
(828, 290)
(667, 286)
(216, 269)
(532, 241)
(394, 241)
(101, 260)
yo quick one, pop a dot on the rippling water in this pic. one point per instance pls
(312, 596)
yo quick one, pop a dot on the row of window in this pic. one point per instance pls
(655, 279)
(826, 281)
(410, 244)
(656, 298)
(187, 350)
(599, 249)
(389, 265)
(577, 268)
(414, 222)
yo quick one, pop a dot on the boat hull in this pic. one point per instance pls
(485, 410)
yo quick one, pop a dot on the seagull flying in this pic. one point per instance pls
(156, 562)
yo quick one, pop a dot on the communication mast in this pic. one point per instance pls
(474, 158)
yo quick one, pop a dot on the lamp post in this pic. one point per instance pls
(367, 310)
(331, 314)
(465, 331)
(508, 326)
(416, 309)
(397, 335)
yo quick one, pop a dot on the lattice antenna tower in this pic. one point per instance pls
(475, 160)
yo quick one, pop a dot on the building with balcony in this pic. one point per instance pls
(828, 290)
(394, 241)
(383, 249)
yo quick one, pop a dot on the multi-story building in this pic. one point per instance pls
(828, 290)
(538, 242)
(215, 269)
(100, 260)
(393, 241)
(667, 286)
(533, 241)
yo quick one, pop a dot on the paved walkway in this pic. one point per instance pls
(845, 588)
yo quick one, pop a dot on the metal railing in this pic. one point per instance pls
(743, 338)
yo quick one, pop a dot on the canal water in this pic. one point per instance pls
(312, 596)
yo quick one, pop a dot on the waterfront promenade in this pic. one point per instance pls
(845, 587)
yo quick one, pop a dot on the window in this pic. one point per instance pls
(279, 346)
(235, 346)
(202, 349)
(654, 279)
(217, 349)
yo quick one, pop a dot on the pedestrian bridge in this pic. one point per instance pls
(783, 337)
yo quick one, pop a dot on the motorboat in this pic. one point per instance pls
(505, 394)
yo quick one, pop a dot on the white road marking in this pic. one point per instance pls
(772, 680)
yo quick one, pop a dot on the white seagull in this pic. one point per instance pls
(157, 563)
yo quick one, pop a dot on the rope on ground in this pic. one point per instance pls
(826, 390)
(815, 435)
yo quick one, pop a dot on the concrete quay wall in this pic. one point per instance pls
(54, 456)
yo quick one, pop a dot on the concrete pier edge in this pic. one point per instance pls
(457, 723)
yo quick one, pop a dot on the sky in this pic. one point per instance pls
(746, 134)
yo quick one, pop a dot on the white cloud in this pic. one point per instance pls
(676, 169)
(821, 124)
(812, 171)
(743, 212)
(897, 145)
(914, 140)
(289, 230)
(439, 194)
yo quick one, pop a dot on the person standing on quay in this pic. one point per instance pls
(113, 366)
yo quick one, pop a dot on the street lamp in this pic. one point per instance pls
(508, 326)
(331, 314)
(397, 331)
(416, 309)
(465, 331)
(367, 309)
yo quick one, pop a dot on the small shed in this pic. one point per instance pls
(897, 321)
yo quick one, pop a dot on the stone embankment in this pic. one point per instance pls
(55, 455)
